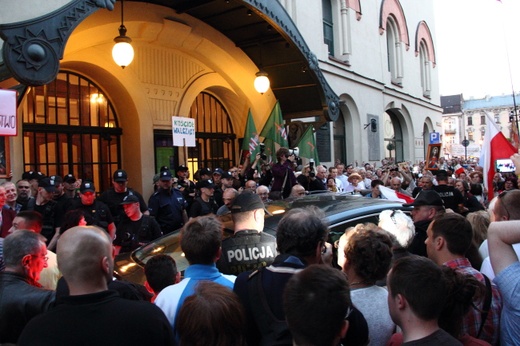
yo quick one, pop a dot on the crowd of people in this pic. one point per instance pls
(446, 275)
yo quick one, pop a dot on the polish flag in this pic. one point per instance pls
(495, 147)
(459, 169)
(395, 196)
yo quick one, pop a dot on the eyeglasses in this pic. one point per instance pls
(24, 187)
(44, 257)
(500, 196)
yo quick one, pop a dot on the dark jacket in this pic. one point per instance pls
(418, 247)
(8, 216)
(19, 303)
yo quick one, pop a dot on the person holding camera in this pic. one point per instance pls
(311, 177)
(283, 174)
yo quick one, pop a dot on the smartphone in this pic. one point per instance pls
(504, 166)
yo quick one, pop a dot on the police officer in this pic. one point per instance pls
(249, 247)
(168, 205)
(47, 207)
(96, 212)
(70, 186)
(136, 229)
(186, 186)
(114, 196)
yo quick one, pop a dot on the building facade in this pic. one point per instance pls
(363, 74)
(467, 119)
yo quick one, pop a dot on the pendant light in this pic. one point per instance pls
(123, 52)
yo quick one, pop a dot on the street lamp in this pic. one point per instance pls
(123, 52)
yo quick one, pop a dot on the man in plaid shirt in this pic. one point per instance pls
(449, 237)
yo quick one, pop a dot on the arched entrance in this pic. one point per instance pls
(70, 126)
(393, 137)
(215, 138)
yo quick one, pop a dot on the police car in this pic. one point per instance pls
(341, 212)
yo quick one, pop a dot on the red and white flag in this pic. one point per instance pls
(459, 169)
(495, 147)
(395, 196)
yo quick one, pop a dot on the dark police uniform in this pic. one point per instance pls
(187, 187)
(132, 234)
(246, 250)
(451, 196)
(113, 200)
(97, 214)
(51, 217)
(200, 207)
(167, 207)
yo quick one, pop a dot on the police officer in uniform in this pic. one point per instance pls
(451, 196)
(136, 229)
(168, 205)
(96, 212)
(114, 196)
(249, 247)
(186, 186)
(47, 207)
(204, 204)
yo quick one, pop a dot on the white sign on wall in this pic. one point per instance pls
(183, 131)
(8, 113)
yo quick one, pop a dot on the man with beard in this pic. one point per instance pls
(23, 188)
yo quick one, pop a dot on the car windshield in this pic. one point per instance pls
(168, 245)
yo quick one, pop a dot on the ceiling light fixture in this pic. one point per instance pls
(262, 82)
(123, 52)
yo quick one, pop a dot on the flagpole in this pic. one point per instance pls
(515, 110)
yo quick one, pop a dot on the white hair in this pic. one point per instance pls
(399, 225)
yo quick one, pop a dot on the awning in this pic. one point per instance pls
(261, 28)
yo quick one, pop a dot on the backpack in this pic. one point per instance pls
(273, 331)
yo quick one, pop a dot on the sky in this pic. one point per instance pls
(477, 45)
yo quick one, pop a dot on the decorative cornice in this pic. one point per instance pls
(33, 48)
(273, 12)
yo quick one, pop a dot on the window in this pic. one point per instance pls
(425, 70)
(215, 138)
(69, 126)
(470, 121)
(482, 120)
(394, 58)
(328, 26)
(497, 118)
(470, 136)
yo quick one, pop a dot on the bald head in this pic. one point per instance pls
(85, 257)
(395, 184)
(228, 196)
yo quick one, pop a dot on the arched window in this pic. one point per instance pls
(425, 50)
(394, 52)
(215, 136)
(425, 70)
(69, 126)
